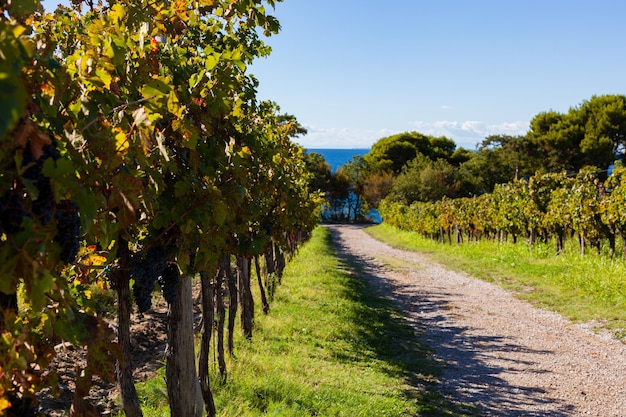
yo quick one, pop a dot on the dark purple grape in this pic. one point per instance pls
(43, 205)
(11, 212)
(168, 281)
(68, 230)
(145, 270)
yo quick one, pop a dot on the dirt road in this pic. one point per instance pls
(500, 353)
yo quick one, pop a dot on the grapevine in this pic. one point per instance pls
(12, 212)
(550, 206)
(168, 281)
(68, 230)
(43, 204)
(145, 270)
(145, 106)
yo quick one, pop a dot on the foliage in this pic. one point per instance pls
(592, 133)
(423, 179)
(321, 171)
(546, 206)
(129, 126)
(393, 152)
(376, 187)
(326, 326)
(343, 190)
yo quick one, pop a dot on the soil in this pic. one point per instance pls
(499, 353)
(148, 338)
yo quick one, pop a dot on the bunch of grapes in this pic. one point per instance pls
(68, 230)
(168, 281)
(42, 206)
(145, 270)
(11, 212)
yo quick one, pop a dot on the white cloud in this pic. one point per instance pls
(346, 138)
(469, 133)
(465, 134)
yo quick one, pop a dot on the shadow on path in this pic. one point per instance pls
(467, 379)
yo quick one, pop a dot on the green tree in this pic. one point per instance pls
(137, 121)
(593, 133)
(393, 152)
(376, 187)
(320, 169)
(425, 180)
(499, 159)
(604, 119)
(613, 208)
(336, 197)
(355, 171)
(558, 138)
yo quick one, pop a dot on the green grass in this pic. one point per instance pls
(329, 347)
(583, 289)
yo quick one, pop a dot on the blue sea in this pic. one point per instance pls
(338, 157)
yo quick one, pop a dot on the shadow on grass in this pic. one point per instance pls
(389, 332)
(386, 335)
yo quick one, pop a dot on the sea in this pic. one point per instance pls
(339, 157)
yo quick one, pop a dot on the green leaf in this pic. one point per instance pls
(104, 76)
(173, 105)
(219, 212)
(38, 287)
(156, 88)
(181, 188)
(23, 8)
(211, 61)
(12, 91)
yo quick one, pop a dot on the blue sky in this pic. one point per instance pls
(354, 71)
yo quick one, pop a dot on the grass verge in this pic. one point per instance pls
(584, 289)
(329, 347)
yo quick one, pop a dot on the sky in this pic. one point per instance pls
(354, 71)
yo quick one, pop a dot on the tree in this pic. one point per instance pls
(393, 152)
(558, 138)
(425, 180)
(461, 155)
(498, 159)
(336, 197)
(320, 169)
(593, 133)
(376, 187)
(604, 119)
(354, 172)
(613, 212)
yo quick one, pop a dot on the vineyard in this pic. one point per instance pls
(135, 156)
(546, 207)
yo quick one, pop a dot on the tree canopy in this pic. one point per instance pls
(393, 152)
(410, 166)
(593, 133)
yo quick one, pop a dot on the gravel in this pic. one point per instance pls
(499, 353)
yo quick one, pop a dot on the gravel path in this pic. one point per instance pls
(501, 354)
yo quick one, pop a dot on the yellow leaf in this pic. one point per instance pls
(105, 77)
(4, 404)
(121, 143)
(97, 259)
